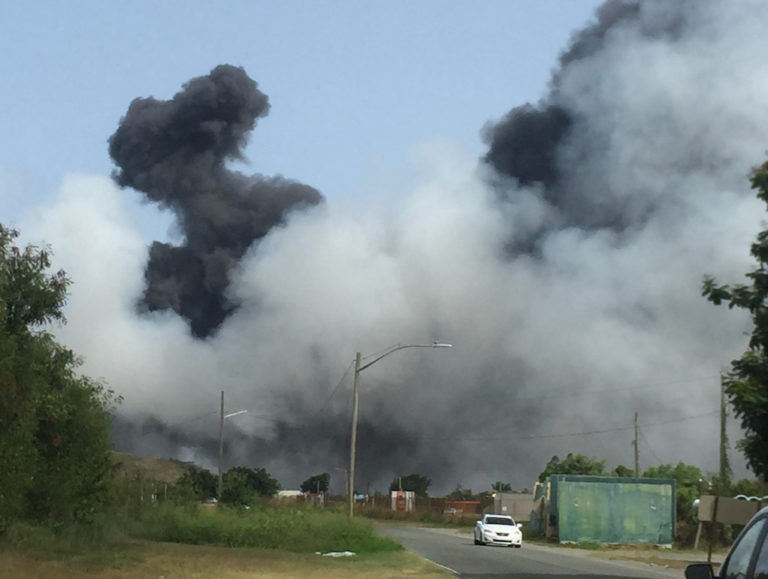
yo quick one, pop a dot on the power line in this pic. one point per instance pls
(341, 381)
(647, 444)
(610, 390)
(562, 435)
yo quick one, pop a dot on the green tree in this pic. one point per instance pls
(623, 471)
(501, 487)
(240, 485)
(689, 483)
(258, 479)
(750, 488)
(460, 494)
(55, 445)
(573, 464)
(411, 482)
(236, 488)
(316, 483)
(746, 384)
(198, 483)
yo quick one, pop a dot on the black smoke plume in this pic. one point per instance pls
(175, 152)
(529, 144)
(524, 144)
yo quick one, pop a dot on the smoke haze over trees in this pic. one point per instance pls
(564, 266)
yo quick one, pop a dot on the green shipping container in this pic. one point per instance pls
(613, 510)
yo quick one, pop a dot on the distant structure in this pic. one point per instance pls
(517, 505)
(290, 495)
(461, 508)
(579, 508)
(403, 501)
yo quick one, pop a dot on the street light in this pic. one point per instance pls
(353, 436)
(221, 441)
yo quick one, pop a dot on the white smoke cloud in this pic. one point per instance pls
(600, 325)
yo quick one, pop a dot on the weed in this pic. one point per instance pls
(299, 530)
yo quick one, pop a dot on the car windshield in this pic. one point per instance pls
(499, 521)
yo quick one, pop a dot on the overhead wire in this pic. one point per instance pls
(609, 390)
(648, 445)
(519, 436)
(336, 389)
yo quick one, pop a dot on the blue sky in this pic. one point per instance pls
(353, 86)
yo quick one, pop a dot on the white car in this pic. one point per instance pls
(498, 530)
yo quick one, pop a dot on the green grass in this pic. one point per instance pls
(149, 559)
(421, 516)
(298, 530)
(74, 543)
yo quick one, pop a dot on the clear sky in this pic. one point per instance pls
(353, 86)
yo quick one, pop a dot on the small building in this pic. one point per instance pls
(403, 501)
(516, 505)
(580, 508)
(290, 495)
(461, 508)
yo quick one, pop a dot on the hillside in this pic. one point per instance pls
(157, 469)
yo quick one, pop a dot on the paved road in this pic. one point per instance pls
(458, 553)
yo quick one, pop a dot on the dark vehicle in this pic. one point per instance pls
(747, 558)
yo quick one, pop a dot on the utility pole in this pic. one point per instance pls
(637, 452)
(724, 466)
(221, 446)
(355, 403)
(353, 437)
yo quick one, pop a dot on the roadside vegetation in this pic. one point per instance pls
(133, 558)
(294, 529)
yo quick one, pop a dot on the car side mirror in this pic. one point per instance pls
(699, 571)
(519, 525)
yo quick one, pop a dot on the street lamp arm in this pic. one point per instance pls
(231, 414)
(400, 347)
(353, 435)
(222, 417)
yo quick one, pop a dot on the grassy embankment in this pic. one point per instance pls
(169, 541)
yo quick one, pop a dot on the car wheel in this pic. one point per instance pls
(477, 542)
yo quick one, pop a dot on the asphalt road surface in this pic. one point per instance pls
(458, 553)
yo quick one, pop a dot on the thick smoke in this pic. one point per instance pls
(565, 267)
(523, 146)
(531, 143)
(175, 153)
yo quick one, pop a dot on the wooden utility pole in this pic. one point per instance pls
(723, 437)
(353, 437)
(637, 452)
(221, 447)
(355, 403)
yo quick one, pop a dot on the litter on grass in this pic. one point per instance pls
(336, 553)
